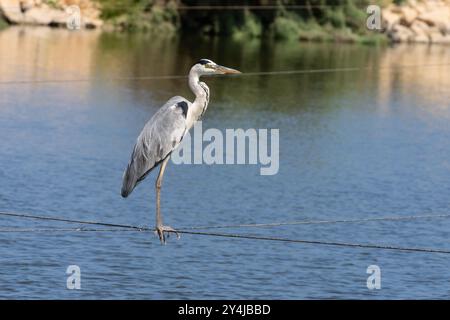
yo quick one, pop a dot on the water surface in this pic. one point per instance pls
(358, 144)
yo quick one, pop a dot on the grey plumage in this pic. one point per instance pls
(160, 136)
(163, 133)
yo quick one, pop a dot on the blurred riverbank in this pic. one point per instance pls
(412, 21)
(343, 21)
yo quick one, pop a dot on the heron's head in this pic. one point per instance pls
(207, 67)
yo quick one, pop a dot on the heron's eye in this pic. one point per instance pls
(210, 66)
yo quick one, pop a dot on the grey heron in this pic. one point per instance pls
(163, 133)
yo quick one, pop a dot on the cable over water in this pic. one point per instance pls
(123, 227)
(261, 73)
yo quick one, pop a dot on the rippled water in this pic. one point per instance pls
(357, 144)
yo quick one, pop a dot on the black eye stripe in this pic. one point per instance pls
(204, 61)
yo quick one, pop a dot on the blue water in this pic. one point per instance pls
(362, 144)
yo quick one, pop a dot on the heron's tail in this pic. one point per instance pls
(129, 182)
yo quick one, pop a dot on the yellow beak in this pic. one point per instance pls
(225, 70)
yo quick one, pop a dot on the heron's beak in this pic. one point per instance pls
(225, 70)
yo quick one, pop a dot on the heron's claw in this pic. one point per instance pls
(160, 230)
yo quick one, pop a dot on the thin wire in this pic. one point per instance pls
(45, 81)
(48, 230)
(301, 222)
(255, 225)
(256, 7)
(228, 235)
(328, 243)
(262, 73)
(239, 236)
(344, 69)
(38, 217)
(218, 7)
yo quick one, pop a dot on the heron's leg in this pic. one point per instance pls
(160, 228)
(158, 186)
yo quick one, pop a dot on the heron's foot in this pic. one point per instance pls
(162, 230)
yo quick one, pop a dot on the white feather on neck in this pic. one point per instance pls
(201, 92)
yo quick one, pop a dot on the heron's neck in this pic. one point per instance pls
(201, 92)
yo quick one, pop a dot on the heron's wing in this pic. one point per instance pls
(160, 136)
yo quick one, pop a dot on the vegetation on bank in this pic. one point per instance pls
(3, 23)
(314, 20)
(310, 20)
(161, 17)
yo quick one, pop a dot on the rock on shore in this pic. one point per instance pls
(426, 21)
(49, 13)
